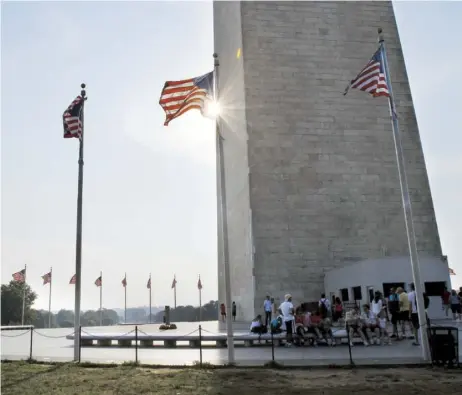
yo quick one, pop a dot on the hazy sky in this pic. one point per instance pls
(149, 190)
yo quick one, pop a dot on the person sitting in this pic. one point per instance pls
(276, 325)
(370, 324)
(353, 325)
(325, 327)
(257, 326)
(313, 328)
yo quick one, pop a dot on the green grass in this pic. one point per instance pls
(28, 378)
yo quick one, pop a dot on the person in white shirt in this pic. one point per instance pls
(412, 297)
(287, 310)
(268, 307)
(370, 324)
(324, 306)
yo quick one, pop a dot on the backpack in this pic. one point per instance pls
(276, 323)
(323, 309)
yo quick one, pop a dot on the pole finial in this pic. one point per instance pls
(83, 93)
(380, 32)
(215, 59)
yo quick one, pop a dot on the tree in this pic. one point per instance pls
(11, 301)
(40, 319)
(65, 319)
(191, 313)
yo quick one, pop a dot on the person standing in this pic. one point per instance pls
(324, 306)
(404, 313)
(268, 307)
(393, 308)
(455, 305)
(234, 308)
(223, 312)
(412, 298)
(287, 309)
(445, 301)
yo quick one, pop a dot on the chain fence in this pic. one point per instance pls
(204, 347)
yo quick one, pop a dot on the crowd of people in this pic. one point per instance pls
(370, 324)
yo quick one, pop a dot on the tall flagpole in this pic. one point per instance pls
(174, 292)
(24, 295)
(125, 288)
(49, 298)
(78, 242)
(200, 300)
(224, 221)
(101, 299)
(414, 256)
(150, 297)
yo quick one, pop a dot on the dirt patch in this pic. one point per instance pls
(36, 379)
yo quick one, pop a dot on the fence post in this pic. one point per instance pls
(272, 345)
(200, 346)
(349, 344)
(80, 342)
(31, 342)
(136, 344)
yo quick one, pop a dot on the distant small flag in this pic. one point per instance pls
(178, 97)
(372, 78)
(174, 282)
(46, 278)
(452, 272)
(124, 282)
(73, 279)
(149, 283)
(99, 281)
(238, 53)
(199, 284)
(72, 119)
(20, 276)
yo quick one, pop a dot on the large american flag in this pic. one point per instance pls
(46, 278)
(148, 285)
(178, 97)
(174, 282)
(73, 279)
(72, 119)
(372, 78)
(199, 284)
(99, 281)
(124, 282)
(20, 276)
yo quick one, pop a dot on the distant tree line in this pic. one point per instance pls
(11, 310)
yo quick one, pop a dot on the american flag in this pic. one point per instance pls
(149, 283)
(372, 78)
(199, 284)
(174, 282)
(452, 272)
(20, 276)
(73, 279)
(72, 119)
(124, 282)
(99, 281)
(178, 97)
(46, 278)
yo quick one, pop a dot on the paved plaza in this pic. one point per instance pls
(52, 345)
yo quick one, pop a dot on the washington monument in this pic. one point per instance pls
(311, 175)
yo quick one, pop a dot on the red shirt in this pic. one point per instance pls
(445, 297)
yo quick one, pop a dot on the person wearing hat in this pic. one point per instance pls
(287, 309)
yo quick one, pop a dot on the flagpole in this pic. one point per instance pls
(174, 292)
(78, 242)
(224, 222)
(150, 297)
(24, 295)
(101, 299)
(200, 301)
(49, 298)
(414, 256)
(125, 288)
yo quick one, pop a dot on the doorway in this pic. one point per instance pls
(370, 293)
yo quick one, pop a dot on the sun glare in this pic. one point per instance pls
(214, 109)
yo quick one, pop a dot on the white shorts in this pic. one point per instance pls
(382, 323)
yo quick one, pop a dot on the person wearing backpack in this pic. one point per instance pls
(324, 307)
